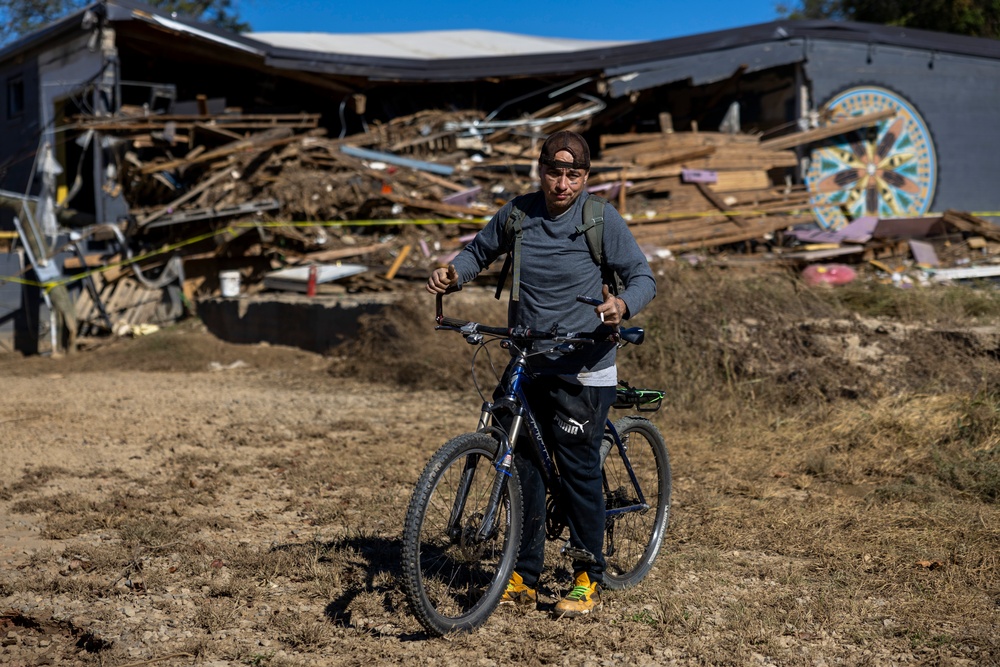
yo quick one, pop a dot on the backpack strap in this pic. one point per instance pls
(512, 232)
(593, 230)
(592, 227)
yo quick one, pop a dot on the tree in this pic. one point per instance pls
(19, 17)
(978, 18)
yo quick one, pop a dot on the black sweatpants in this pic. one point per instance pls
(572, 420)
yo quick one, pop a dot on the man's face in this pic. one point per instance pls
(561, 186)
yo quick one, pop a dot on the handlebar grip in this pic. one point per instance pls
(451, 322)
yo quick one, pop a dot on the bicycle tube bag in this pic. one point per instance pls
(592, 228)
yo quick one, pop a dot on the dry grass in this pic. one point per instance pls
(836, 486)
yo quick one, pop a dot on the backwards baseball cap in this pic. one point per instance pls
(564, 140)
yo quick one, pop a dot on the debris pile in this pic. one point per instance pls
(260, 193)
(184, 175)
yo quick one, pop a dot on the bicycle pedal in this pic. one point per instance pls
(578, 554)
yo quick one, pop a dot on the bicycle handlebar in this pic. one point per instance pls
(634, 335)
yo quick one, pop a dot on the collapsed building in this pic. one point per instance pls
(144, 153)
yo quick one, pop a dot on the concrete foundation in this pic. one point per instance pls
(317, 324)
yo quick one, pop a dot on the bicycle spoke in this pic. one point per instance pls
(637, 503)
(454, 579)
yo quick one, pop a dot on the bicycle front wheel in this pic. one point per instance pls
(637, 510)
(457, 558)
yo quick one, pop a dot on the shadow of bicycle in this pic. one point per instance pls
(368, 567)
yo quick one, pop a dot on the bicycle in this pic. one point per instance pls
(462, 529)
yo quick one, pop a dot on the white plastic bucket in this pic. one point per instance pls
(229, 282)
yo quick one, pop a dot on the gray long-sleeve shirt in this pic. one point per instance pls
(556, 266)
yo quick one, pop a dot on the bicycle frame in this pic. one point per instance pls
(623, 451)
(517, 378)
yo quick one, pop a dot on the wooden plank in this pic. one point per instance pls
(339, 253)
(84, 305)
(90, 261)
(443, 182)
(839, 126)
(719, 204)
(633, 174)
(736, 160)
(404, 251)
(679, 138)
(740, 180)
(189, 195)
(966, 222)
(722, 233)
(446, 209)
(662, 157)
(115, 305)
(258, 142)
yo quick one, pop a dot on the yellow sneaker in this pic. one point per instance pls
(518, 593)
(583, 599)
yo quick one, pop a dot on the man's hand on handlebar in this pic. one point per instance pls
(441, 279)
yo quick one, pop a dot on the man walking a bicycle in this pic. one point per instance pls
(550, 238)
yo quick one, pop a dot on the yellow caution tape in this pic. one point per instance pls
(49, 285)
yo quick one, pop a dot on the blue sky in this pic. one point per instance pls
(582, 19)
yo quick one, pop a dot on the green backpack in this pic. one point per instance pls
(592, 228)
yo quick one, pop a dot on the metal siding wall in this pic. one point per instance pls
(703, 68)
(957, 96)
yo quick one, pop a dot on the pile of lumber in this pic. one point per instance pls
(257, 193)
(703, 188)
(183, 174)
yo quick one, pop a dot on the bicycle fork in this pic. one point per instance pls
(502, 464)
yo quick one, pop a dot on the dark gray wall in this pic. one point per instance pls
(10, 300)
(957, 96)
(18, 134)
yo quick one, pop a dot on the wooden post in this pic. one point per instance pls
(666, 122)
(621, 194)
(399, 262)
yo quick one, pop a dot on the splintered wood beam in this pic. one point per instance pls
(258, 142)
(439, 207)
(189, 195)
(827, 131)
(339, 253)
(719, 204)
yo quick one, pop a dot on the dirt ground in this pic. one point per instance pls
(177, 500)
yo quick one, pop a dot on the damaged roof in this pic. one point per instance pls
(428, 45)
(466, 55)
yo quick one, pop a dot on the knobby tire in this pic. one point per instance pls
(453, 582)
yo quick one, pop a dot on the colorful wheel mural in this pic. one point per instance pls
(887, 170)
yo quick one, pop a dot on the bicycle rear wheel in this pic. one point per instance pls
(633, 536)
(453, 578)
